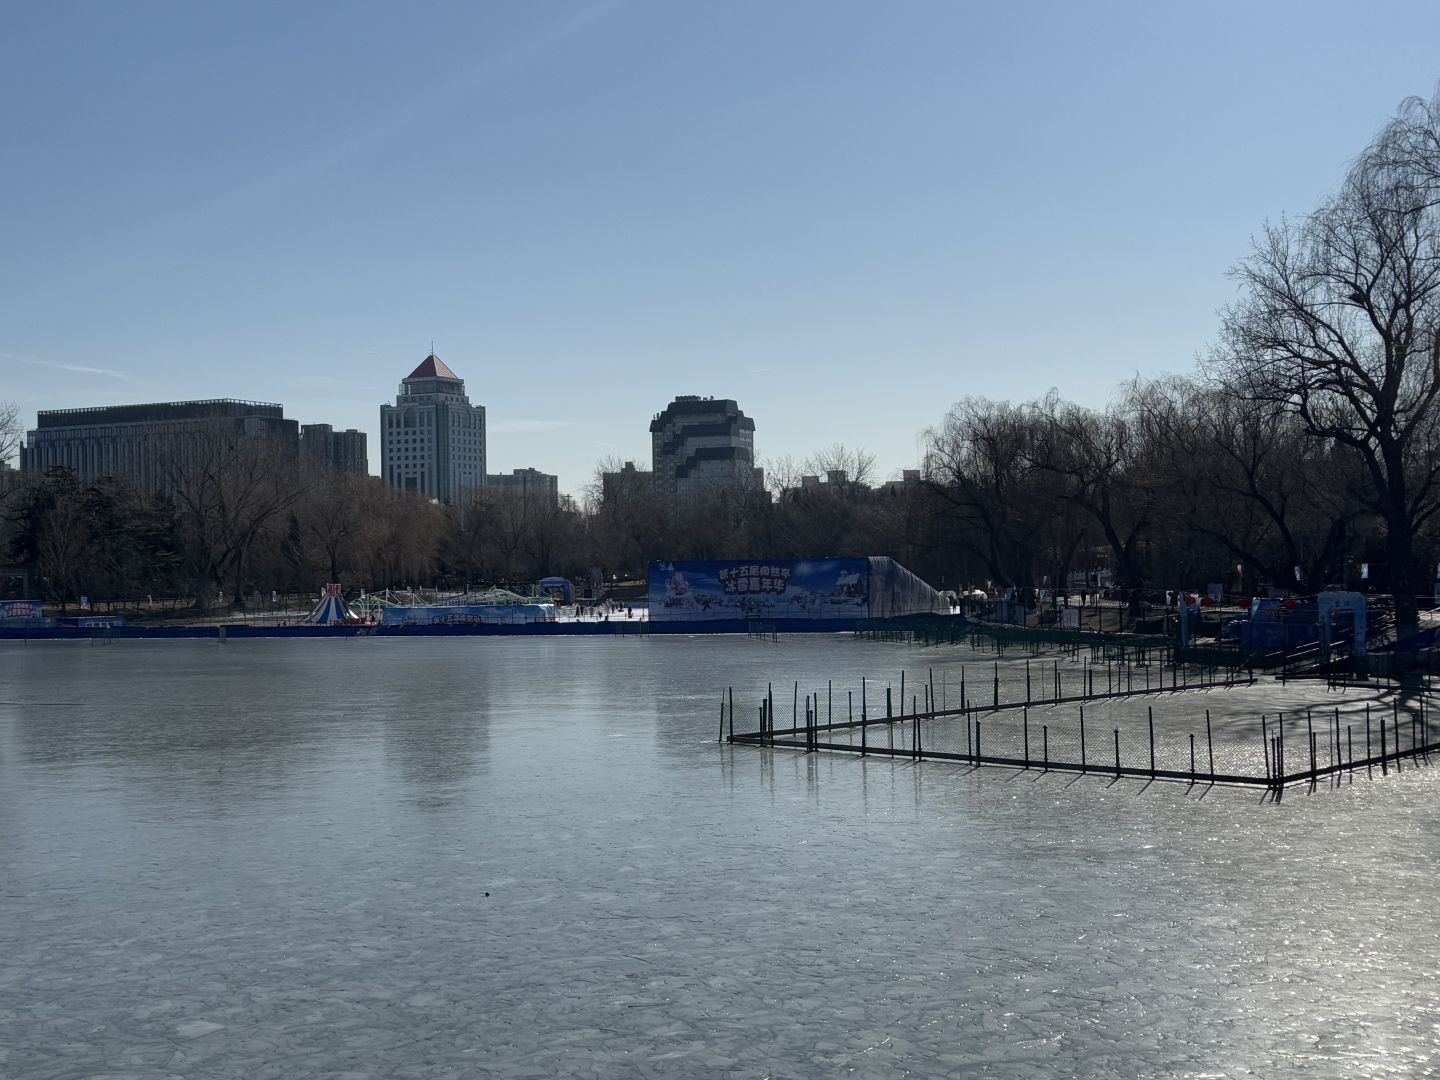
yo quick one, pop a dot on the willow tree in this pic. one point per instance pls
(1339, 325)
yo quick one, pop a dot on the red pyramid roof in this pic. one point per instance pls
(432, 367)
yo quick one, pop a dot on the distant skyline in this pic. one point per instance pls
(844, 216)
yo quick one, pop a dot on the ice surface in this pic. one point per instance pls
(272, 859)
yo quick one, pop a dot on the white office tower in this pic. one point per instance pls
(432, 440)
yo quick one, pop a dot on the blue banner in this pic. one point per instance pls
(760, 589)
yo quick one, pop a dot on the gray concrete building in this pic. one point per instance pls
(432, 440)
(526, 484)
(701, 446)
(627, 482)
(149, 445)
(345, 451)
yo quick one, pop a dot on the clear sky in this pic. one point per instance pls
(846, 215)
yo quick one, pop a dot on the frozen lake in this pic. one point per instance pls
(529, 858)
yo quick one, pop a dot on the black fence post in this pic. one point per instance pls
(1117, 753)
(1045, 745)
(1025, 728)
(1396, 725)
(1384, 769)
(977, 744)
(1192, 757)
(1082, 738)
(1265, 743)
(1150, 712)
(1310, 735)
(1210, 745)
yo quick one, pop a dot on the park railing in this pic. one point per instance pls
(1173, 739)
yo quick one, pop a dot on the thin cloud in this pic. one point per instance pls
(79, 369)
(334, 154)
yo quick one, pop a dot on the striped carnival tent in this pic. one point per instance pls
(331, 609)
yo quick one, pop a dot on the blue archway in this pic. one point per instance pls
(567, 591)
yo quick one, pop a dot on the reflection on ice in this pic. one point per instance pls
(272, 858)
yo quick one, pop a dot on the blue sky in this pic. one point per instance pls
(844, 215)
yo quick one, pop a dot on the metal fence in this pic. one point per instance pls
(1122, 736)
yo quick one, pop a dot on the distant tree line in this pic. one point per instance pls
(1306, 444)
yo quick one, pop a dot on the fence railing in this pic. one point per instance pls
(1270, 751)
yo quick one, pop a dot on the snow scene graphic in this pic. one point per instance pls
(759, 589)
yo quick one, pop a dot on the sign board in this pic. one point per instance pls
(760, 589)
(1070, 618)
(22, 609)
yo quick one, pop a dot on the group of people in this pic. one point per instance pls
(603, 610)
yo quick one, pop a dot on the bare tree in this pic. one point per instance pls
(782, 475)
(1339, 325)
(63, 541)
(1249, 480)
(229, 490)
(977, 467)
(331, 514)
(858, 465)
(11, 431)
(1099, 458)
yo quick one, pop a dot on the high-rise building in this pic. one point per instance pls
(149, 445)
(432, 440)
(345, 451)
(626, 483)
(527, 484)
(703, 445)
